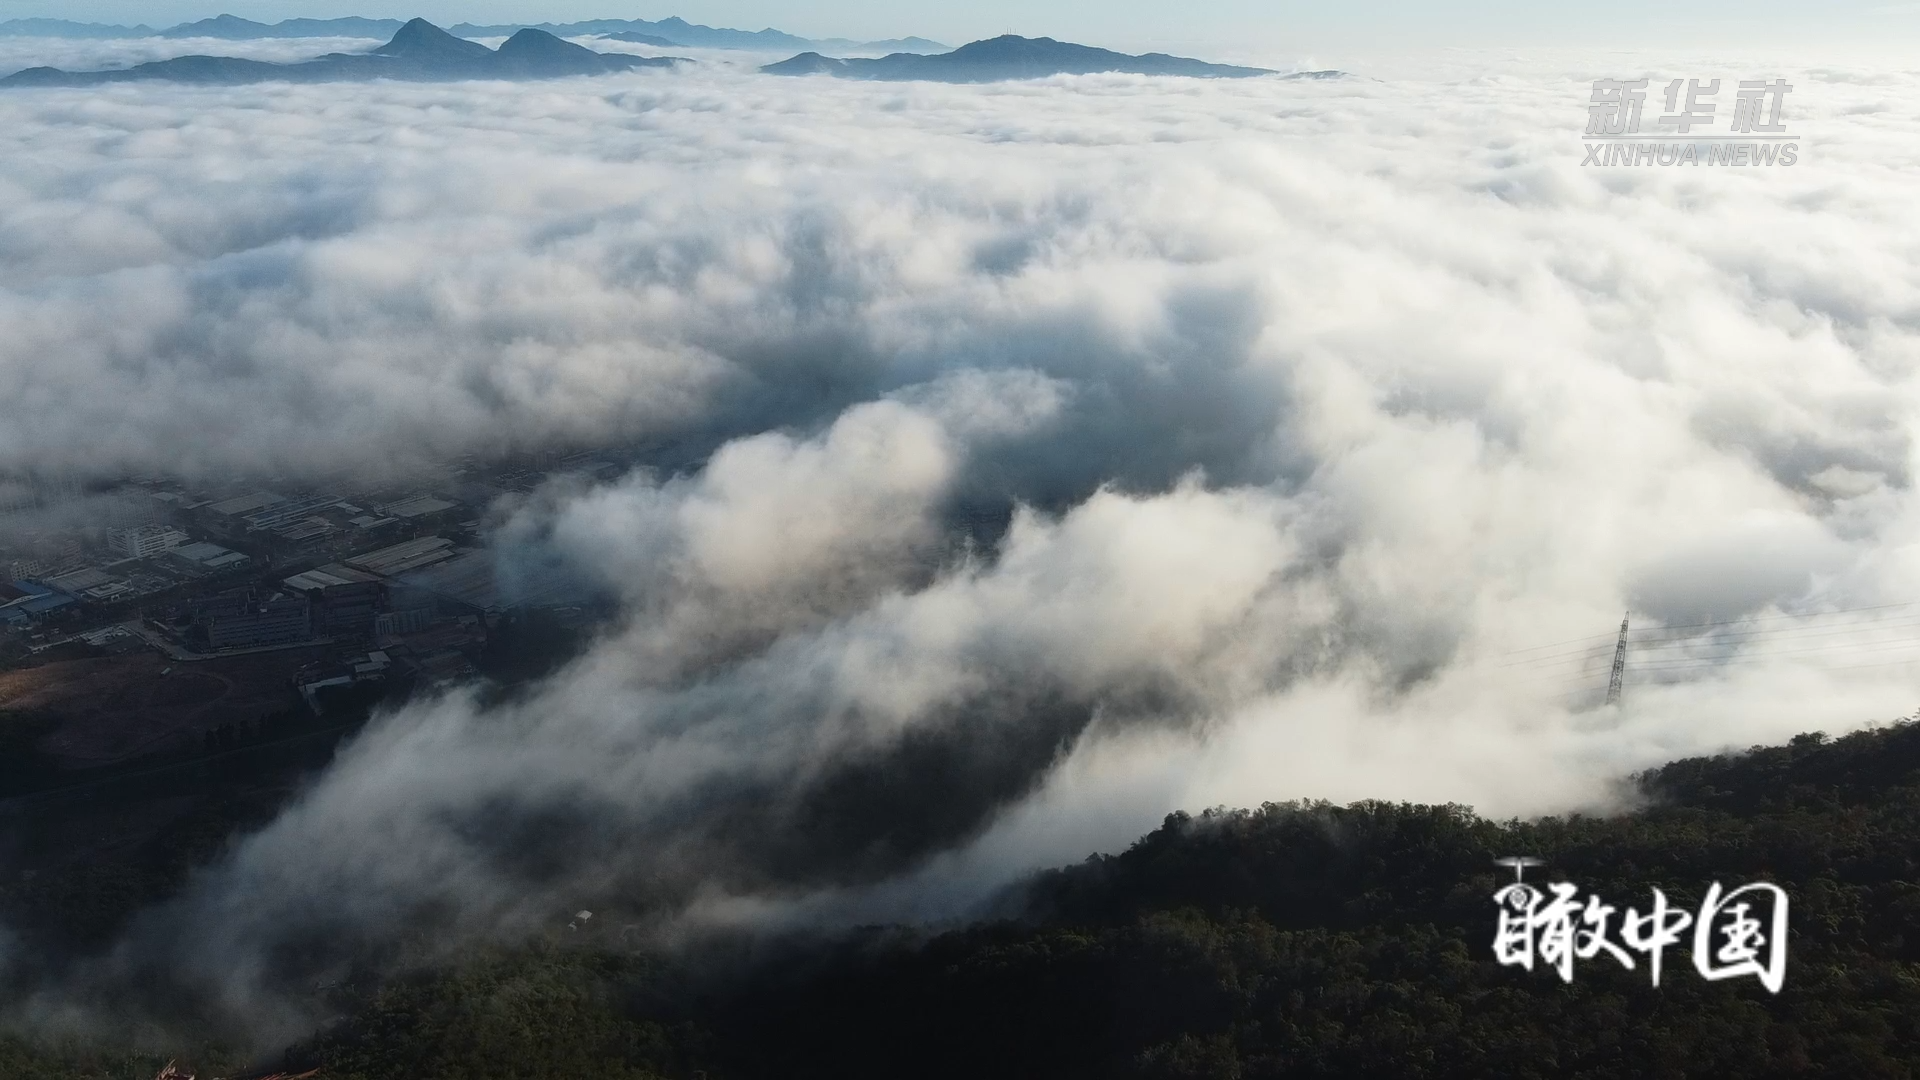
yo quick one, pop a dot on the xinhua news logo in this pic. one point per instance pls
(1757, 135)
(1734, 933)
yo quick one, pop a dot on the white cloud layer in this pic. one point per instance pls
(1315, 401)
(80, 54)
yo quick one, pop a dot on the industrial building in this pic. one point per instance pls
(418, 507)
(285, 512)
(344, 601)
(370, 524)
(392, 624)
(90, 584)
(477, 582)
(228, 516)
(401, 558)
(23, 601)
(145, 541)
(209, 556)
(243, 620)
(306, 533)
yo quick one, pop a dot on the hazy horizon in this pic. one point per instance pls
(1382, 25)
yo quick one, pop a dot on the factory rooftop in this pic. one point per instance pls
(212, 556)
(418, 506)
(328, 576)
(401, 558)
(476, 580)
(245, 504)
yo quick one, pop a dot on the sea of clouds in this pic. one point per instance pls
(1071, 451)
(81, 54)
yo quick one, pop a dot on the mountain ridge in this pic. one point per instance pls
(1009, 56)
(673, 31)
(235, 28)
(418, 52)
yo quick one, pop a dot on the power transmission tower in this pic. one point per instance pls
(1619, 665)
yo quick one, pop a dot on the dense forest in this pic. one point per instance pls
(1295, 940)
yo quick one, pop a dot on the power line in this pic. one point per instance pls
(1577, 692)
(1776, 618)
(1720, 640)
(1761, 658)
(1803, 627)
(1858, 628)
(1664, 649)
(1551, 644)
(1885, 663)
(1597, 650)
(1843, 646)
(1802, 617)
(1847, 667)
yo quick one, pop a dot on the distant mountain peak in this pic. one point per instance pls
(534, 51)
(420, 30)
(807, 63)
(224, 25)
(418, 37)
(532, 38)
(1008, 56)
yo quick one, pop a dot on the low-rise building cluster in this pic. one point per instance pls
(376, 580)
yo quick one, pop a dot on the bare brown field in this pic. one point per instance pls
(114, 707)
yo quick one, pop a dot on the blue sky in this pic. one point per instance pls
(1132, 23)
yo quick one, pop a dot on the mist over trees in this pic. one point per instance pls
(1301, 939)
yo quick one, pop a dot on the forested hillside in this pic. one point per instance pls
(1293, 940)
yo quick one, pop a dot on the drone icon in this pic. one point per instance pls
(1519, 864)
